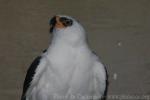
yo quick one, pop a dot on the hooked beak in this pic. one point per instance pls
(59, 23)
(56, 23)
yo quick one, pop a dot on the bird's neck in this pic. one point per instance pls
(65, 42)
(69, 38)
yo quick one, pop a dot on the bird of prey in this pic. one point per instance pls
(68, 69)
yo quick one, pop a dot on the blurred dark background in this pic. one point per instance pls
(118, 30)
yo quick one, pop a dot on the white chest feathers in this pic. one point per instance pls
(71, 74)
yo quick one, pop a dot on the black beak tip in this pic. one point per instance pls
(52, 23)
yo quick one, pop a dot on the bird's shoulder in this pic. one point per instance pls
(99, 65)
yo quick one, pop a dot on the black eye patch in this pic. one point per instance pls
(65, 21)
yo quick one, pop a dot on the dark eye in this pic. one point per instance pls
(65, 21)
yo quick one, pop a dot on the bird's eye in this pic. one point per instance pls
(65, 21)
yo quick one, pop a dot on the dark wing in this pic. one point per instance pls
(29, 76)
(107, 83)
(104, 97)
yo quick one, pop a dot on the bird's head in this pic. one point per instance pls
(64, 23)
(67, 29)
